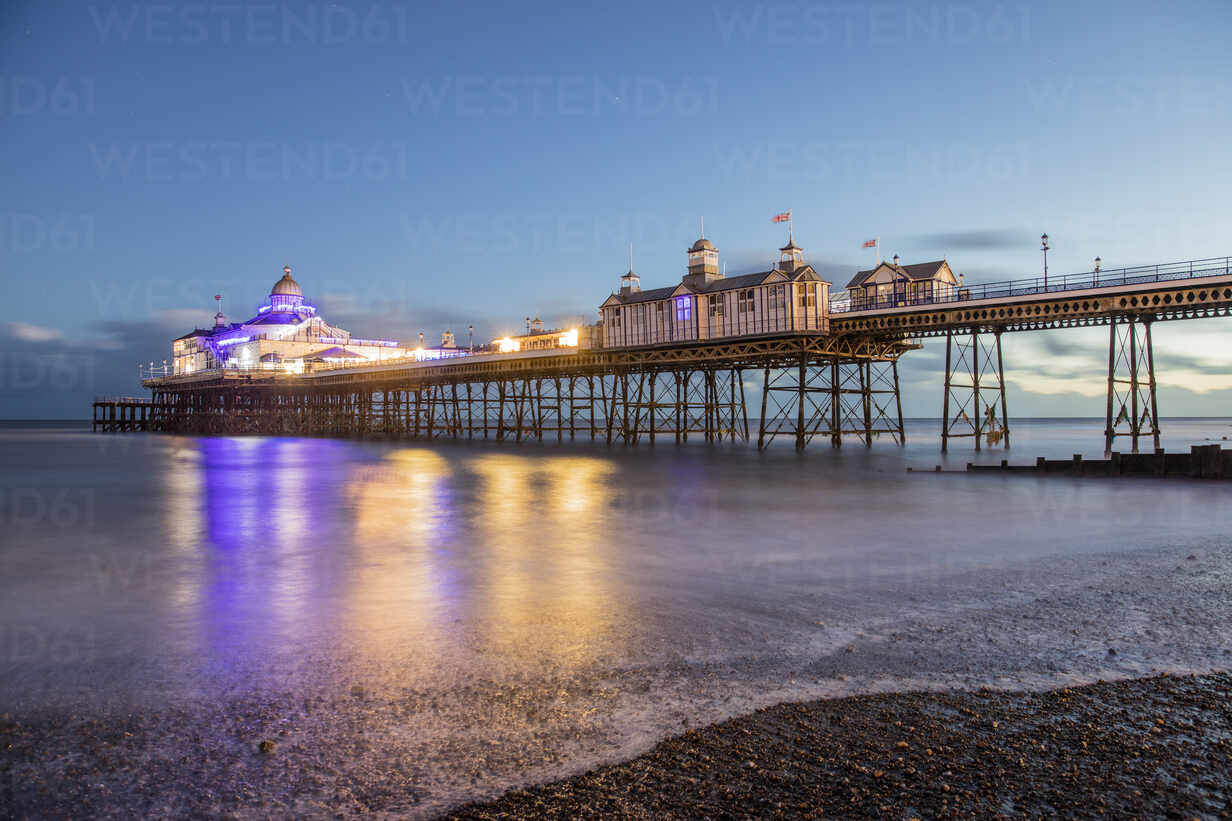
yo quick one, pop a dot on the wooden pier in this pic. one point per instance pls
(122, 414)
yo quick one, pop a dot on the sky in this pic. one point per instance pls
(424, 166)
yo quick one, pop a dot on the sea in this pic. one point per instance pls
(483, 615)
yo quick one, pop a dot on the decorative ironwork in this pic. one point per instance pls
(1132, 410)
(973, 370)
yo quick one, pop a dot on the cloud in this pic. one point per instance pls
(33, 333)
(981, 240)
(1051, 385)
(182, 320)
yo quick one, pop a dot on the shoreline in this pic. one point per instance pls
(1158, 746)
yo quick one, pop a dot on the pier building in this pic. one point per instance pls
(286, 334)
(539, 338)
(892, 284)
(707, 305)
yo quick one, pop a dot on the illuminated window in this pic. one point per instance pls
(684, 308)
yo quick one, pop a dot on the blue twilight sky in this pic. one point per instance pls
(424, 166)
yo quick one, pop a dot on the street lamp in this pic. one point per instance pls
(470, 338)
(1097, 261)
(1044, 248)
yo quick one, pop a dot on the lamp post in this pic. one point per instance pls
(470, 338)
(1044, 248)
(1097, 261)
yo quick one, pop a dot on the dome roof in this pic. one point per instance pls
(286, 286)
(703, 244)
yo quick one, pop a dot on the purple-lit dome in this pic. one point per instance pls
(286, 286)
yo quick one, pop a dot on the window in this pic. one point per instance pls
(658, 307)
(745, 301)
(716, 305)
(615, 317)
(808, 297)
(780, 298)
(684, 308)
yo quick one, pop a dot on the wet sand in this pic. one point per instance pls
(1154, 747)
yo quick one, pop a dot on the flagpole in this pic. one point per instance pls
(878, 247)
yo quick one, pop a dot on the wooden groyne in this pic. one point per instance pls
(1202, 462)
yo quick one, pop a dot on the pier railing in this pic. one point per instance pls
(121, 400)
(1107, 278)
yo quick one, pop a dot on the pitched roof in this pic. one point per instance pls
(196, 333)
(646, 296)
(714, 286)
(275, 318)
(919, 270)
(742, 281)
(335, 353)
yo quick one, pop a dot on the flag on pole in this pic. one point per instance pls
(872, 243)
(783, 217)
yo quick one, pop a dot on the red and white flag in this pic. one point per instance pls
(872, 243)
(783, 217)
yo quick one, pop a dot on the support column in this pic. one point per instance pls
(800, 440)
(1132, 408)
(972, 369)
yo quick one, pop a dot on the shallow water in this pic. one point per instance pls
(571, 604)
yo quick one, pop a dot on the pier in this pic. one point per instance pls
(122, 414)
(835, 378)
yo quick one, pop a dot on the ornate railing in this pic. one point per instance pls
(1107, 278)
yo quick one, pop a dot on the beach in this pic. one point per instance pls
(285, 628)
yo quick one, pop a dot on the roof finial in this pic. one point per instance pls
(286, 269)
(630, 257)
(703, 227)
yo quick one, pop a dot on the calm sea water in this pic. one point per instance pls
(580, 602)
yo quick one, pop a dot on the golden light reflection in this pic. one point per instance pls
(546, 570)
(398, 596)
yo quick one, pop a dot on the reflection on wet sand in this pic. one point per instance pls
(266, 505)
(403, 588)
(547, 579)
(499, 557)
(183, 522)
